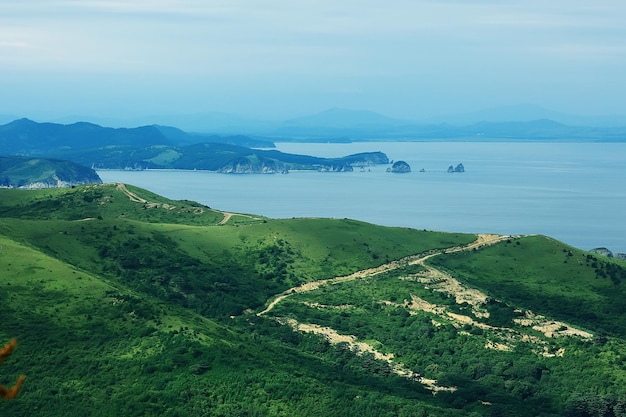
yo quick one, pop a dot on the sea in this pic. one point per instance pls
(573, 192)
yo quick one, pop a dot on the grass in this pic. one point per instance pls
(123, 308)
(372, 309)
(548, 277)
(79, 333)
(103, 201)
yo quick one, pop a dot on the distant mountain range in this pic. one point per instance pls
(519, 122)
(526, 113)
(26, 136)
(498, 124)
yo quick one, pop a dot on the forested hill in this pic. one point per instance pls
(21, 172)
(127, 303)
(159, 147)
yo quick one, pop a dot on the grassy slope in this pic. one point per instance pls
(517, 380)
(545, 275)
(90, 347)
(122, 307)
(99, 308)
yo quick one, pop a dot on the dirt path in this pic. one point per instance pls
(228, 216)
(361, 348)
(133, 197)
(137, 199)
(437, 280)
(482, 240)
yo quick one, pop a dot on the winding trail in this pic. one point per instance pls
(132, 196)
(482, 240)
(228, 216)
(360, 347)
(137, 199)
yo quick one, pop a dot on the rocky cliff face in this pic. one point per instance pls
(256, 165)
(54, 181)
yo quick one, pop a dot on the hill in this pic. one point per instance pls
(160, 147)
(127, 303)
(18, 172)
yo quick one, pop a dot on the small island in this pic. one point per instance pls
(400, 167)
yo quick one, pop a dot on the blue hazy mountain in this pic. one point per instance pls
(345, 118)
(517, 122)
(526, 113)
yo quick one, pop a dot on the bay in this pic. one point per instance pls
(573, 192)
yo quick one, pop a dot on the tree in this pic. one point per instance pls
(10, 393)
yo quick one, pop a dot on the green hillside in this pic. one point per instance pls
(127, 303)
(20, 172)
(542, 274)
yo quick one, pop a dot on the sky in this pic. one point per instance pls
(276, 59)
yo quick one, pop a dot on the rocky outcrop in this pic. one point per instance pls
(400, 167)
(55, 182)
(606, 252)
(458, 168)
(246, 165)
(338, 167)
(602, 252)
(252, 165)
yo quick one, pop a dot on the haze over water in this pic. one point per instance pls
(573, 192)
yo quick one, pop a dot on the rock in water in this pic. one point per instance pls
(400, 167)
(459, 168)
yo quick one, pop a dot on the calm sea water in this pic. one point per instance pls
(573, 192)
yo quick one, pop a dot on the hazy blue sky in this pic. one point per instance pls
(270, 58)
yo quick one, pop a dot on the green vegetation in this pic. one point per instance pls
(127, 303)
(542, 274)
(23, 172)
(161, 147)
(523, 373)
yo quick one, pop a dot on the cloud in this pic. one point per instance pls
(399, 46)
